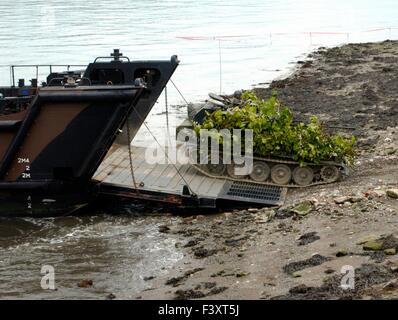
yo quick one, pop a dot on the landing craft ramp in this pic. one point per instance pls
(180, 185)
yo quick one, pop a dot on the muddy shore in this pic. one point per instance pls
(298, 251)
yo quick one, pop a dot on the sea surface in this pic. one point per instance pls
(223, 45)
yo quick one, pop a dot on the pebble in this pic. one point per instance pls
(227, 214)
(392, 285)
(164, 229)
(341, 253)
(341, 200)
(329, 271)
(390, 252)
(110, 296)
(373, 246)
(85, 283)
(394, 268)
(392, 193)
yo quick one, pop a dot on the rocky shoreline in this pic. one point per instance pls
(299, 251)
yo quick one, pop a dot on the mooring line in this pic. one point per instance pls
(130, 155)
(165, 153)
(182, 96)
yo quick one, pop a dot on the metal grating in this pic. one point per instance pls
(257, 193)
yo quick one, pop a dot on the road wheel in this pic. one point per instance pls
(281, 174)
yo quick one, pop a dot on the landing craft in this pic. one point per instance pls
(54, 136)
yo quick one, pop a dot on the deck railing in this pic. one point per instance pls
(37, 68)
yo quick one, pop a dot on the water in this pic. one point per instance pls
(253, 41)
(116, 252)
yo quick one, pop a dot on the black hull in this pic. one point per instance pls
(43, 200)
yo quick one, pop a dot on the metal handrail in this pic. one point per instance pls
(108, 58)
(37, 66)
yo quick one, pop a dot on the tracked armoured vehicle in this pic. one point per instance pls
(283, 172)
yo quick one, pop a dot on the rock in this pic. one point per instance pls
(303, 208)
(392, 193)
(315, 202)
(341, 253)
(216, 290)
(373, 246)
(188, 294)
(187, 220)
(394, 268)
(388, 244)
(164, 229)
(209, 285)
(233, 242)
(301, 289)
(85, 284)
(175, 281)
(347, 200)
(342, 200)
(367, 239)
(390, 252)
(110, 296)
(252, 210)
(378, 193)
(283, 213)
(191, 243)
(390, 151)
(204, 253)
(270, 215)
(346, 205)
(227, 214)
(308, 238)
(296, 275)
(329, 271)
(269, 283)
(356, 199)
(200, 218)
(336, 193)
(241, 274)
(392, 285)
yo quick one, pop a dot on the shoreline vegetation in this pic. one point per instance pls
(298, 251)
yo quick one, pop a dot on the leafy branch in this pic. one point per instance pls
(275, 134)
